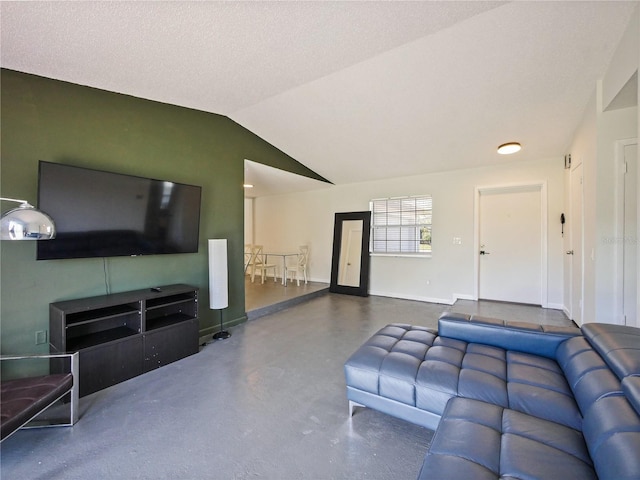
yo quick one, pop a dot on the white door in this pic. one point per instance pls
(575, 226)
(511, 243)
(629, 236)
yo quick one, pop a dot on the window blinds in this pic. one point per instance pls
(401, 225)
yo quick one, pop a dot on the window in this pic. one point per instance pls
(401, 225)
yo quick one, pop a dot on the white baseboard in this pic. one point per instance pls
(557, 306)
(416, 298)
(444, 301)
(463, 296)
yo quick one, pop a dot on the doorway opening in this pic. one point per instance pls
(265, 181)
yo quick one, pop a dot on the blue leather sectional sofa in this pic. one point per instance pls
(509, 399)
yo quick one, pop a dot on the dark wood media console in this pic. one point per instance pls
(123, 335)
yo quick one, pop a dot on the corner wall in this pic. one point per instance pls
(612, 126)
(594, 146)
(45, 119)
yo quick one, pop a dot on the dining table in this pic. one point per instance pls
(283, 256)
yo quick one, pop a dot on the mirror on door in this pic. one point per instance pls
(350, 263)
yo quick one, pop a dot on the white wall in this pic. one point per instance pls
(624, 61)
(248, 220)
(286, 221)
(612, 126)
(594, 145)
(583, 151)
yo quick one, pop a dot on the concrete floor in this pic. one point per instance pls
(269, 402)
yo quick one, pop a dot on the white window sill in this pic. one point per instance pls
(404, 255)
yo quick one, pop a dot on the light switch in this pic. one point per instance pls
(457, 240)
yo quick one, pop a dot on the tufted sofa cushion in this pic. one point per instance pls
(21, 399)
(618, 345)
(413, 366)
(388, 362)
(482, 441)
(604, 370)
(631, 388)
(587, 373)
(611, 429)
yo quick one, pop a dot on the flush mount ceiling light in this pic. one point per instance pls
(509, 148)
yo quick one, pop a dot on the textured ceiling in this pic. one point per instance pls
(355, 91)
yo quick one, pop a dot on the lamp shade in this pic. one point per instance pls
(218, 275)
(26, 223)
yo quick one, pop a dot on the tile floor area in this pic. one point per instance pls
(269, 403)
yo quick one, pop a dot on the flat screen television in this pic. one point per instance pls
(104, 214)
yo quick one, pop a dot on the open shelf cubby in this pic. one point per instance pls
(99, 338)
(169, 310)
(163, 302)
(101, 314)
(122, 335)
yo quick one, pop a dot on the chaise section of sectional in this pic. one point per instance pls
(485, 441)
(478, 440)
(509, 399)
(412, 372)
(381, 373)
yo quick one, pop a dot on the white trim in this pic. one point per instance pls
(542, 187)
(416, 298)
(576, 241)
(443, 301)
(557, 306)
(403, 255)
(462, 296)
(618, 247)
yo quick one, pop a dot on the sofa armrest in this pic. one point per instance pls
(524, 337)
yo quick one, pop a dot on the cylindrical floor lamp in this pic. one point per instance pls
(218, 281)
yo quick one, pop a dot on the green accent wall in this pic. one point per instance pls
(45, 119)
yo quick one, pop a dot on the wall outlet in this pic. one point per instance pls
(41, 337)
(457, 240)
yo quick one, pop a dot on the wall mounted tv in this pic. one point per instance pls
(104, 214)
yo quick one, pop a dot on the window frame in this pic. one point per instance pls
(402, 214)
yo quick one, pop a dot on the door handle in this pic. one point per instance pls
(569, 252)
(482, 252)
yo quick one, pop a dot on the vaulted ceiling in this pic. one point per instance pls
(355, 91)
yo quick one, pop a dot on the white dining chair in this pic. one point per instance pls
(300, 265)
(259, 263)
(248, 256)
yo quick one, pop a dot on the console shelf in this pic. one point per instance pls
(122, 335)
(99, 338)
(166, 321)
(99, 314)
(165, 302)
